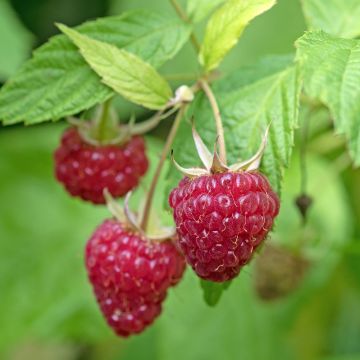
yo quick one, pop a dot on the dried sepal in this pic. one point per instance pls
(163, 234)
(217, 165)
(254, 162)
(202, 150)
(115, 209)
(189, 172)
(130, 216)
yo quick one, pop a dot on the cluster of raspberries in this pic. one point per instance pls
(221, 219)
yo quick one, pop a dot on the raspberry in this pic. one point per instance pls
(130, 275)
(86, 170)
(221, 219)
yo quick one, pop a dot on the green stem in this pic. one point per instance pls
(182, 14)
(103, 121)
(218, 121)
(164, 154)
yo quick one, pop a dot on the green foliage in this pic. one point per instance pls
(226, 26)
(125, 73)
(57, 82)
(213, 291)
(15, 41)
(331, 75)
(249, 99)
(200, 9)
(336, 17)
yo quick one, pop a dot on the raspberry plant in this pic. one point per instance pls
(222, 213)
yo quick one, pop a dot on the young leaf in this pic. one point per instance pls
(57, 81)
(200, 9)
(247, 107)
(124, 72)
(331, 75)
(337, 17)
(213, 291)
(226, 26)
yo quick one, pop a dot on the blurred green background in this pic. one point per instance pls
(47, 310)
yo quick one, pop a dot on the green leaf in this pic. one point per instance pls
(200, 9)
(249, 99)
(226, 26)
(124, 72)
(337, 17)
(57, 81)
(331, 75)
(213, 291)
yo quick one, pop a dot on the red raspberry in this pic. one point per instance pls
(86, 170)
(221, 219)
(130, 275)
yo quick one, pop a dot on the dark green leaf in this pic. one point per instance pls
(331, 75)
(249, 100)
(57, 82)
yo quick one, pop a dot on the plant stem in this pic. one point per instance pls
(182, 14)
(218, 121)
(102, 124)
(164, 153)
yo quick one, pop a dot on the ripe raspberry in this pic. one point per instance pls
(130, 275)
(221, 219)
(86, 170)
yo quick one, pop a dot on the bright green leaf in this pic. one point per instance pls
(226, 26)
(213, 291)
(337, 17)
(332, 75)
(200, 9)
(57, 81)
(125, 73)
(249, 99)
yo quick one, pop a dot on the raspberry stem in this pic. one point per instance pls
(218, 121)
(170, 139)
(102, 124)
(182, 14)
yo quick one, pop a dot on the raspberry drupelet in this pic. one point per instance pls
(130, 275)
(86, 170)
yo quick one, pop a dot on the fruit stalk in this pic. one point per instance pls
(101, 128)
(218, 121)
(165, 151)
